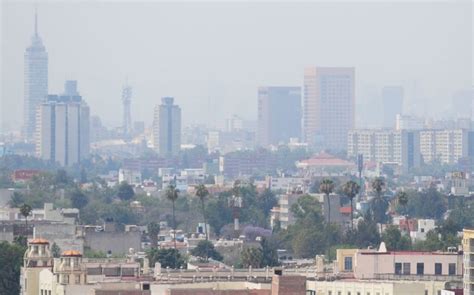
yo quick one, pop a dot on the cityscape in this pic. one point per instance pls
(208, 148)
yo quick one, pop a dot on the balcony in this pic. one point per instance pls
(414, 277)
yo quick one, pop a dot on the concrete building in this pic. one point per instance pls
(167, 127)
(407, 122)
(386, 146)
(392, 100)
(444, 146)
(279, 114)
(63, 127)
(328, 106)
(37, 258)
(133, 177)
(35, 82)
(468, 248)
(110, 240)
(360, 287)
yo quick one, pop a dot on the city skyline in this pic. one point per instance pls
(213, 88)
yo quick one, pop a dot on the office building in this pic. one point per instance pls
(167, 127)
(468, 248)
(328, 106)
(63, 127)
(386, 146)
(279, 114)
(443, 146)
(35, 82)
(392, 101)
(407, 122)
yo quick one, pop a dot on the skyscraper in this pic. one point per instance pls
(36, 82)
(167, 127)
(328, 106)
(63, 127)
(279, 114)
(127, 116)
(392, 100)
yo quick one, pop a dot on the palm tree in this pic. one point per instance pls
(327, 187)
(153, 231)
(402, 200)
(202, 193)
(379, 204)
(172, 195)
(25, 211)
(351, 189)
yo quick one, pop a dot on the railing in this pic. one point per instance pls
(413, 277)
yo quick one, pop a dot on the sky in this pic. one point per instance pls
(212, 56)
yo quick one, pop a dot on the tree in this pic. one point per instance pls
(351, 189)
(125, 191)
(251, 256)
(202, 193)
(166, 257)
(327, 187)
(394, 240)
(205, 249)
(153, 231)
(25, 211)
(11, 259)
(55, 250)
(172, 195)
(78, 199)
(402, 200)
(379, 204)
(269, 252)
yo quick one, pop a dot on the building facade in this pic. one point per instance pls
(328, 106)
(386, 146)
(468, 248)
(167, 127)
(279, 114)
(35, 82)
(63, 127)
(444, 146)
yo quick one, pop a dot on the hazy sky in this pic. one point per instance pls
(212, 56)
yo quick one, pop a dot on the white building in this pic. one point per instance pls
(63, 127)
(424, 226)
(385, 146)
(445, 146)
(167, 127)
(132, 177)
(468, 248)
(407, 122)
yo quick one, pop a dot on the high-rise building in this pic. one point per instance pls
(407, 122)
(279, 114)
(444, 146)
(392, 101)
(63, 127)
(386, 146)
(328, 106)
(35, 82)
(167, 127)
(127, 113)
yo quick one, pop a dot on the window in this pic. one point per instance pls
(420, 268)
(42, 292)
(347, 263)
(438, 269)
(398, 268)
(78, 279)
(452, 269)
(406, 268)
(329, 293)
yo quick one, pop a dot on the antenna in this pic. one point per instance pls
(36, 19)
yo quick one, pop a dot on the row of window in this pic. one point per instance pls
(405, 268)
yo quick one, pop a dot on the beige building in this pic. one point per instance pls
(355, 287)
(37, 258)
(328, 106)
(468, 247)
(445, 146)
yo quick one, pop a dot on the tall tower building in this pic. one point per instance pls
(328, 106)
(36, 82)
(167, 127)
(279, 114)
(392, 100)
(127, 114)
(63, 127)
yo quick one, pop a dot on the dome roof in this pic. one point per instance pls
(39, 241)
(71, 253)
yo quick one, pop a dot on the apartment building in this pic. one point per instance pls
(444, 146)
(468, 247)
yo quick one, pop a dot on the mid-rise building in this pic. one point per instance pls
(386, 146)
(468, 249)
(167, 127)
(63, 127)
(407, 122)
(279, 114)
(35, 82)
(328, 106)
(392, 100)
(444, 146)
